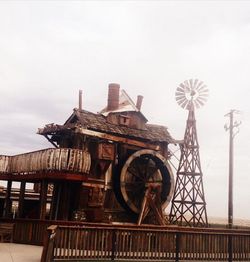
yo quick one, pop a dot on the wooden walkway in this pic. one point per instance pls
(19, 253)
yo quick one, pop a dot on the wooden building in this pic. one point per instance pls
(108, 166)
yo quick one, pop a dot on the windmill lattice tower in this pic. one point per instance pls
(188, 203)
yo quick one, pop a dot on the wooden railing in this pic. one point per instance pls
(51, 159)
(30, 232)
(75, 243)
(88, 241)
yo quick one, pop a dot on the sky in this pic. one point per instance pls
(51, 49)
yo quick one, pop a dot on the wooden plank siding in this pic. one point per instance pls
(48, 160)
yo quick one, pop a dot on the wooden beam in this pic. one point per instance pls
(51, 141)
(21, 199)
(52, 176)
(123, 140)
(43, 198)
(58, 193)
(64, 201)
(7, 203)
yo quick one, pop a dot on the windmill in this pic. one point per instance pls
(188, 203)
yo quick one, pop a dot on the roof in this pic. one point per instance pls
(98, 122)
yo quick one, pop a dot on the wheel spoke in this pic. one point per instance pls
(132, 171)
(137, 166)
(146, 166)
(151, 172)
(134, 184)
(136, 197)
(134, 188)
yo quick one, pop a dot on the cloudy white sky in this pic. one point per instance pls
(51, 49)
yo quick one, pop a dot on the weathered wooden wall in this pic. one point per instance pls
(52, 159)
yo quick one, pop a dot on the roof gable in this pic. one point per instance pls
(126, 104)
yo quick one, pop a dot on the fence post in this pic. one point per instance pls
(177, 246)
(113, 245)
(48, 244)
(230, 249)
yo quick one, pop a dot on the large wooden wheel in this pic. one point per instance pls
(144, 170)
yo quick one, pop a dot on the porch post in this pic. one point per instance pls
(21, 200)
(43, 199)
(7, 204)
(54, 202)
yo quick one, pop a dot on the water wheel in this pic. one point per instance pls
(145, 174)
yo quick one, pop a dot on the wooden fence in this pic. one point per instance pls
(79, 243)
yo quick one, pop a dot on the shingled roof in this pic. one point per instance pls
(98, 122)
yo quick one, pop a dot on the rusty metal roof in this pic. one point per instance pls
(98, 122)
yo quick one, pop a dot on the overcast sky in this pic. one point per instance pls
(51, 49)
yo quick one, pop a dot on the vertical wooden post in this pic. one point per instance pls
(21, 200)
(177, 246)
(63, 201)
(230, 249)
(43, 198)
(48, 244)
(7, 204)
(58, 198)
(113, 245)
(53, 205)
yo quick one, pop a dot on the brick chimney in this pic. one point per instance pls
(139, 102)
(113, 97)
(80, 100)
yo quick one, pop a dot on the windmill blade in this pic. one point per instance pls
(180, 89)
(200, 101)
(195, 83)
(201, 88)
(191, 83)
(179, 93)
(185, 103)
(199, 84)
(183, 86)
(180, 102)
(196, 104)
(179, 99)
(187, 85)
(202, 98)
(205, 92)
